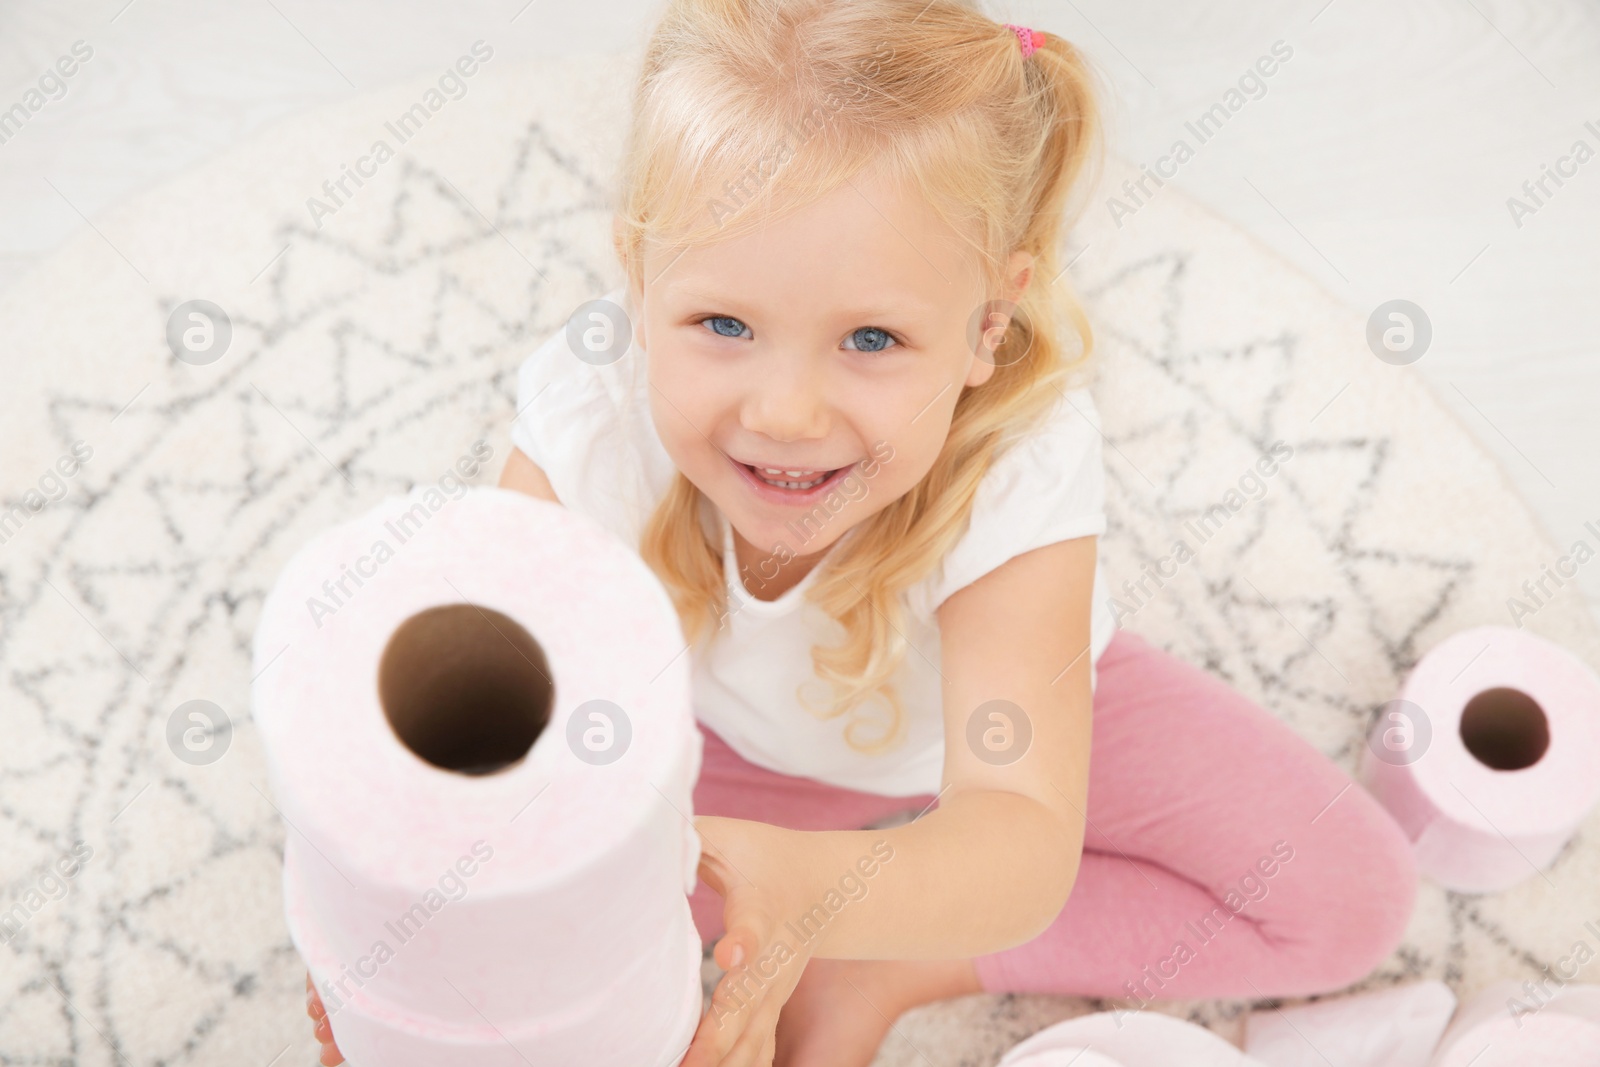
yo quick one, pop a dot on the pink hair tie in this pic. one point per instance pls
(1031, 40)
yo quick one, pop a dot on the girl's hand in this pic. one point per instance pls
(331, 1056)
(764, 960)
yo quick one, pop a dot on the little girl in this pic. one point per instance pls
(837, 407)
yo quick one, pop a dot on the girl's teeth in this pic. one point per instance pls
(790, 479)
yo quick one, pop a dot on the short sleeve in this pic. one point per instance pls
(549, 392)
(585, 426)
(1047, 487)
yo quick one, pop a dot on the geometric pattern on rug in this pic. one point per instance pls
(377, 348)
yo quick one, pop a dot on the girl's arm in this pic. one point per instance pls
(993, 864)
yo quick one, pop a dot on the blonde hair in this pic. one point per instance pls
(745, 105)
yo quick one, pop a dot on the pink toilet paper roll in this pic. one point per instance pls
(1488, 759)
(1126, 1039)
(1065, 1056)
(1397, 1027)
(478, 730)
(1565, 1032)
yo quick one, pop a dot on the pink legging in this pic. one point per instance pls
(1223, 857)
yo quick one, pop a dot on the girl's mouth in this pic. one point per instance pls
(790, 485)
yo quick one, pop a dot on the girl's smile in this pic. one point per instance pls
(790, 487)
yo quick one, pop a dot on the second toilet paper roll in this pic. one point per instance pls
(1562, 1030)
(478, 731)
(1126, 1039)
(1488, 759)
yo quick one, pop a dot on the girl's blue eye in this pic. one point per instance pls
(724, 326)
(870, 339)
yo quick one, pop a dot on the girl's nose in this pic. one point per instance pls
(788, 399)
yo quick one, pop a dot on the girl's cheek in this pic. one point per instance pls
(685, 377)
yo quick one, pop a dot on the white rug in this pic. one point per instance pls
(368, 353)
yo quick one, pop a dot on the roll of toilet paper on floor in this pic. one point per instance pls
(1397, 1027)
(1065, 1056)
(1503, 1026)
(478, 731)
(1488, 757)
(1126, 1039)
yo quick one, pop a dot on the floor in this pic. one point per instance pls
(1379, 157)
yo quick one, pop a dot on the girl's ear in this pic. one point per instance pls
(1020, 271)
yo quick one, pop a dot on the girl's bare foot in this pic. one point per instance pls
(841, 1009)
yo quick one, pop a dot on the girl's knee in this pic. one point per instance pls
(1370, 880)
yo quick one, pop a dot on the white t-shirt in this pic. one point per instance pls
(588, 427)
